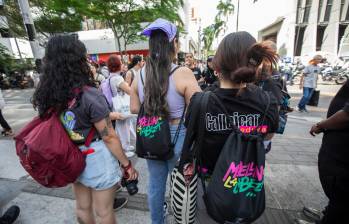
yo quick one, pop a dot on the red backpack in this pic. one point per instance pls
(47, 153)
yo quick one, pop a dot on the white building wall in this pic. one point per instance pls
(330, 41)
(102, 41)
(23, 45)
(309, 40)
(285, 37)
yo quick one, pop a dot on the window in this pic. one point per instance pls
(320, 37)
(321, 2)
(299, 11)
(342, 6)
(328, 10)
(299, 40)
(307, 11)
(341, 33)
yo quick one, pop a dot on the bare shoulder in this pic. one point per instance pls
(183, 73)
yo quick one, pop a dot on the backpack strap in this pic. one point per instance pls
(71, 103)
(140, 73)
(90, 136)
(200, 135)
(187, 150)
(173, 143)
(265, 111)
(111, 91)
(133, 75)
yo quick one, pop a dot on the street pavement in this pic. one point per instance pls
(291, 175)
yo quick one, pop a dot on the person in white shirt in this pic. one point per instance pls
(309, 81)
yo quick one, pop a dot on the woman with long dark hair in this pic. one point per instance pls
(67, 79)
(133, 68)
(163, 95)
(236, 61)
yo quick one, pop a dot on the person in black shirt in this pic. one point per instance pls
(236, 61)
(245, 102)
(190, 63)
(209, 74)
(333, 159)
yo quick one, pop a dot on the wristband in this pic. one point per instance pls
(128, 166)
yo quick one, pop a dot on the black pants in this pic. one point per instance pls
(3, 123)
(334, 179)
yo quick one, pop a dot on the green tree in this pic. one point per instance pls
(48, 19)
(124, 17)
(13, 18)
(225, 8)
(6, 60)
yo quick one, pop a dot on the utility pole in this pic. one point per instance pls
(237, 17)
(29, 26)
(199, 40)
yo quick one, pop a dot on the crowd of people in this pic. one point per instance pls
(242, 76)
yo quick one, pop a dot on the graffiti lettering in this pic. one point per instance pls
(147, 127)
(245, 170)
(244, 178)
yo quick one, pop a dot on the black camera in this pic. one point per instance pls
(131, 185)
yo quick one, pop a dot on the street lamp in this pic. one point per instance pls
(237, 15)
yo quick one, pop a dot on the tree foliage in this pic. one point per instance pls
(47, 18)
(124, 17)
(9, 64)
(225, 8)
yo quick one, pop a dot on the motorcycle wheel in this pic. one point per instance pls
(342, 79)
(296, 80)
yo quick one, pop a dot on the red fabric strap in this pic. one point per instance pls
(90, 136)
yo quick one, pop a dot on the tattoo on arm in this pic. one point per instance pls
(108, 120)
(105, 131)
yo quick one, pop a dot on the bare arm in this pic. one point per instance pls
(116, 116)
(186, 83)
(124, 86)
(337, 121)
(112, 141)
(135, 103)
(302, 81)
(128, 78)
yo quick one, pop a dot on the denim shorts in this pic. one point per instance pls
(102, 170)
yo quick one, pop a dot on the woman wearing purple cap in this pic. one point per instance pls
(166, 91)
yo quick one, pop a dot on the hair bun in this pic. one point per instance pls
(243, 74)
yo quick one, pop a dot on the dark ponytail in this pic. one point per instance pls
(158, 67)
(238, 57)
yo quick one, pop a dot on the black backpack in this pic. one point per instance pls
(153, 134)
(235, 193)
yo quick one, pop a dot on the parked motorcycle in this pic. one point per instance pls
(342, 77)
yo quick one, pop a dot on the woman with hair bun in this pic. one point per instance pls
(236, 61)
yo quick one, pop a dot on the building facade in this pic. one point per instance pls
(315, 26)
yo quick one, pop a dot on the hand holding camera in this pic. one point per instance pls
(130, 179)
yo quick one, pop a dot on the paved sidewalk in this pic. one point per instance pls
(291, 176)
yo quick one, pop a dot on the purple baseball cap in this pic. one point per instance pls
(161, 24)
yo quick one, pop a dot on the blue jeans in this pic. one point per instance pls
(158, 172)
(307, 93)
